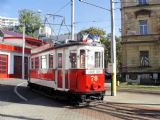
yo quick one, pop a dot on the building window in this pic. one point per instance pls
(142, 2)
(144, 58)
(51, 61)
(143, 27)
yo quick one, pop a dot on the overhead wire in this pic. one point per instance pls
(62, 7)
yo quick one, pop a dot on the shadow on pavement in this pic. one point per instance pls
(18, 117)
(8, 96)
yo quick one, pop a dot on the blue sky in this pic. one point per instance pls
(85, 15)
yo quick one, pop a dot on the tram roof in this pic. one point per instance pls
(48, 47)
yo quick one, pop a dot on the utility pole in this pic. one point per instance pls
(113, 49)
(72, 19)
(23, 53)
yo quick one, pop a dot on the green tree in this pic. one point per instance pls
(30, 19)
(107, 53)
(94, 30)
(119, 50)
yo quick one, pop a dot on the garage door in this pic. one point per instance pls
(18, 66)
(3, 66)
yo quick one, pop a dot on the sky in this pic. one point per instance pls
(85, 15)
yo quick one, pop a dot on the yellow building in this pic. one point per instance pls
(141, 40)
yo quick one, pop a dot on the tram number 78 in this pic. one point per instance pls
(94, 78)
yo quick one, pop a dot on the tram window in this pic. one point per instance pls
(36, 62)
(50, 61)
(73, 59)
(82, 58)
(97, 59)
(59, 60)
(44, 62)
(32, 63)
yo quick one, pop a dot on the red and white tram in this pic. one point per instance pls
(74, 69)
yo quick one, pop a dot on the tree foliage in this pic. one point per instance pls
(94, 30)
(107, 43)
(30, 19)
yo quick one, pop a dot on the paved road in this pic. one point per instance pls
(39, 107)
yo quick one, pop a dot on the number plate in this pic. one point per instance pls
(94, 71)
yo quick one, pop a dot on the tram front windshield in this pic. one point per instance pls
(91, 59)
(86, 59)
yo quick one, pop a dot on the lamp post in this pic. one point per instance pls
(113, 50)
(23, 53)
(113, 43)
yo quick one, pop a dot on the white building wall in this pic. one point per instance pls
(15, 42)
(6, 21)
(11, 59)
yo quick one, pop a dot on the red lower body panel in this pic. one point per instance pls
(76, 80)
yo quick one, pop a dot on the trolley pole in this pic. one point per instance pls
(23, 53)
(72, 19)
(113, 50)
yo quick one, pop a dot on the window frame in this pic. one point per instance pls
(60, 61)
(142, 2)
(101, 57)
(71, 55)
(97, 59)
(144, 60)
(36, 62)
(51, 63)
(44, 63)
(82, 56)
(143, 27)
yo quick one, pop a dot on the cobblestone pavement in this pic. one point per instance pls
(39, 107)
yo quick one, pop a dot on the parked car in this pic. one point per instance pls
(108, 77)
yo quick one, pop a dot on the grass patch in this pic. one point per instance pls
(138, 86)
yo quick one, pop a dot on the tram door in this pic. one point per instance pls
(60, 79)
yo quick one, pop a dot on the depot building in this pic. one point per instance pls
(11, 53)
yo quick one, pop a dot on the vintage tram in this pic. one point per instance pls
(74, 70)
